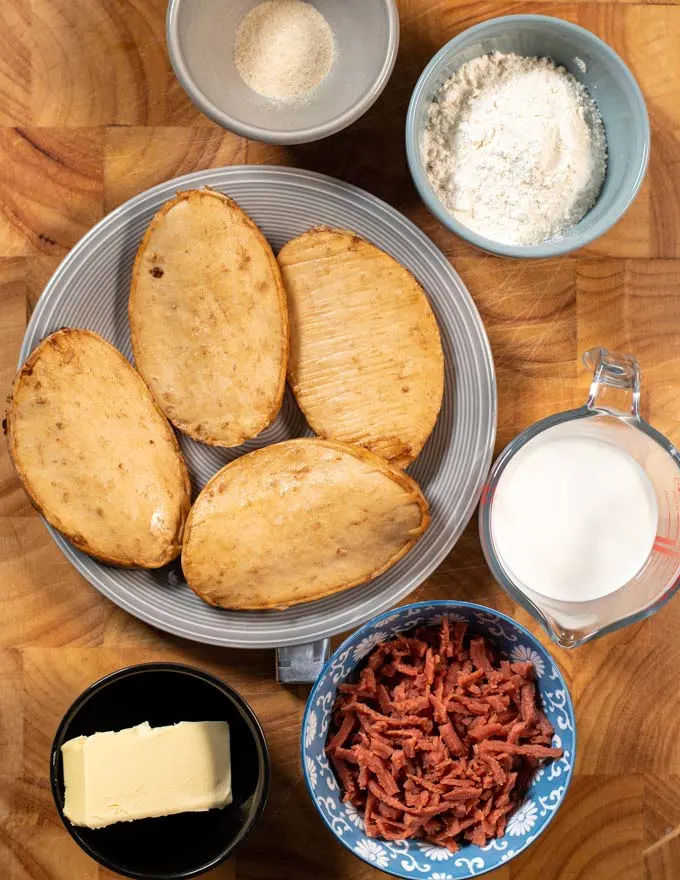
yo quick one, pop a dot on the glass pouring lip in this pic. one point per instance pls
(486, 538)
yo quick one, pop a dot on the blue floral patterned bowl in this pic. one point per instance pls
(411, 859)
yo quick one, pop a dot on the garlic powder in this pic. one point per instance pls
(284, 49)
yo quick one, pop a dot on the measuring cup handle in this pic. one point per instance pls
(616, 382)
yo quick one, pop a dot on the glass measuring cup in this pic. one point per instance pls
(611, 413)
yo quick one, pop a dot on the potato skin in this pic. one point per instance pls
(366, 362)
(95, 454)
(297, 521)
(209, 319)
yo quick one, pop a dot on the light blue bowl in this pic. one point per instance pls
(411, 859)
(611, 86)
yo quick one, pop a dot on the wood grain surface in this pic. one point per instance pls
(90, 114)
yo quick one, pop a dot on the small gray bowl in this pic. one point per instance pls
(200, 35)
(593, 63)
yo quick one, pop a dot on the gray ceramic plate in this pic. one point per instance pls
(90, 289)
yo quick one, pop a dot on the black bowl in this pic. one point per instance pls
(187, 844)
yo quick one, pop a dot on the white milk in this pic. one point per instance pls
(573, 518)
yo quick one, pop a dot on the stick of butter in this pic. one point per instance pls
(144, 771)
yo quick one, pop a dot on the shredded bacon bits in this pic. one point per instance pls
(438, 738)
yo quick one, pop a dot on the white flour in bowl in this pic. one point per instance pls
(515, 148)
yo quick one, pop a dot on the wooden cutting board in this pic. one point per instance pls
(91, 114)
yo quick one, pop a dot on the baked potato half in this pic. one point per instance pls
(95, 454)
(208, 319)
(366, 363)
(298, 521)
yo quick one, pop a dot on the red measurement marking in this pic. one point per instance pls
(661, 545)
(660, 540)
(486, 489)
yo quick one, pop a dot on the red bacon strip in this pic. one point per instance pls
(438, 738)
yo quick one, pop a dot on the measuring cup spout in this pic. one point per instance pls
(570, 638)
(564, 632)
(615, 387)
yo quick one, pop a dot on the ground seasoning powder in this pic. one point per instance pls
(284, 49)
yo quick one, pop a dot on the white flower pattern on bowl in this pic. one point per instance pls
(522, 654)
(372, 852)
(311, 729)
(354, 816)
(368, 644)
(435, 853)
(451, 616)
(523, 819)
(311, 771)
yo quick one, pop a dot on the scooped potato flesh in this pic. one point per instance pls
(298, 521)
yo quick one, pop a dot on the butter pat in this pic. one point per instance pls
(144, 771)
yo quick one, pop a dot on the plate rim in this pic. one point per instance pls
(159, 618)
